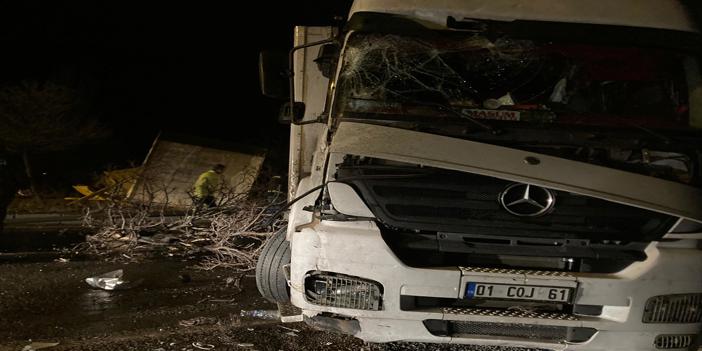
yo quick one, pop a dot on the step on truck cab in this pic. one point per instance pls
(508, 173)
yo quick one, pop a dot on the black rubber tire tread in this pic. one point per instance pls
(270, 276)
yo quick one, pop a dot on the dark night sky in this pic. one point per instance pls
(187, 67)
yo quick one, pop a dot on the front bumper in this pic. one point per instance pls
(357, 249)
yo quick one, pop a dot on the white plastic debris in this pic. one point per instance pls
(289, 329)
(201, 346)
(262, 314)
(111, 281)
(107, 281)
(39, 345)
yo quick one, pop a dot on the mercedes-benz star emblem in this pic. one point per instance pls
(526, 200)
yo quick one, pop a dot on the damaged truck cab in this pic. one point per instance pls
(508, 173)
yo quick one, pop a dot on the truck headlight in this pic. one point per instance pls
(344, 291)
(679, 308)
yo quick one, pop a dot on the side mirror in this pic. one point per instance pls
(293, 114)
(272, 84)
(326, 59)
(273, 74)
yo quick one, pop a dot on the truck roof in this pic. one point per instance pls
(661, 14)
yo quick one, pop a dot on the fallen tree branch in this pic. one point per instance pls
(229, 235)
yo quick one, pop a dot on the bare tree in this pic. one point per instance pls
(40, 117)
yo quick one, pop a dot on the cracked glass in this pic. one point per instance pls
(502, 78)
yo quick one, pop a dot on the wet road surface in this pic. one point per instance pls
(174, 308)
(44, 298)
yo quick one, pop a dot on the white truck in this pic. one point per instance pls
(509, 173)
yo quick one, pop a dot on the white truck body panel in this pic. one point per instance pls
(334, 247)
(662, 14)
(310, 87)
(357, 248)
(552, 172)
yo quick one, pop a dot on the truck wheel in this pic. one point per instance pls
(270, 276)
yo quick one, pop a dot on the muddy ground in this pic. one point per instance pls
(44, 298)
(174, 308)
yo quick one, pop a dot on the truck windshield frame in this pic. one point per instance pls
(497, 77)
(488, 53)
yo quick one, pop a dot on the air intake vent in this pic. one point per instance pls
(509, 313)
(338, 290)
(682, 308)
(549, 333)
(666, 342)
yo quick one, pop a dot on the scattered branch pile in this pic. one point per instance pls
(230, 234)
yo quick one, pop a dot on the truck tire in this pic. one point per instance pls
(270, 276)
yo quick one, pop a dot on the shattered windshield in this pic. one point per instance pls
(386, 76)
(611, 105)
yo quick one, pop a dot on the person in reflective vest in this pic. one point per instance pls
(206, 185)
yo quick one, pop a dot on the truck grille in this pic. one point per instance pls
(682, 308)
(436, 217)
(548, 333)
(450, 201)
(469, 270)
(509, 313)
(665, 342)
(403, 346)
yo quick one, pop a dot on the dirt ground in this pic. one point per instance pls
(174, 307)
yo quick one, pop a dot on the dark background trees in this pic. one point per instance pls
(37, 118)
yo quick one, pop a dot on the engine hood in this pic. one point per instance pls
(519, 166)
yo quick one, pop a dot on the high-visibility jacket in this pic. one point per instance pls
(206, 184)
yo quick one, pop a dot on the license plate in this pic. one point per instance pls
(517, 292)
